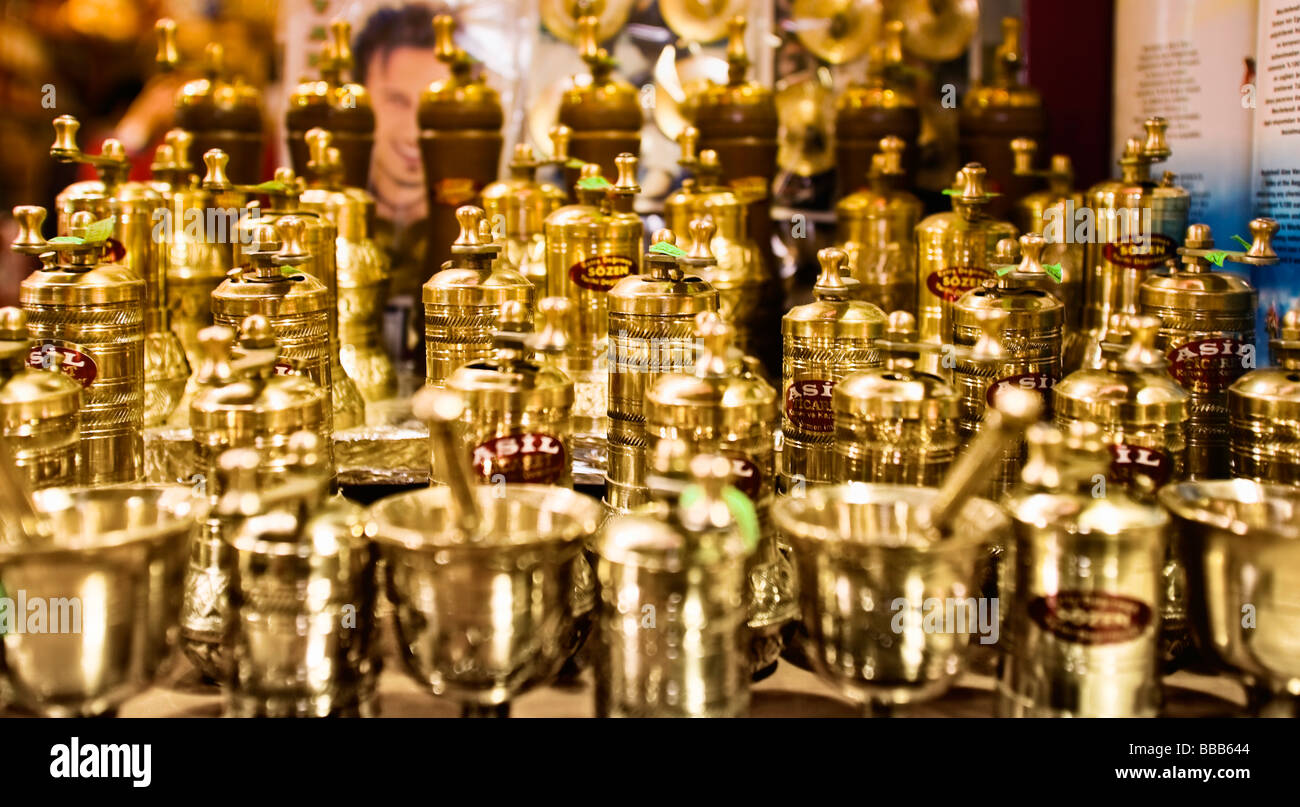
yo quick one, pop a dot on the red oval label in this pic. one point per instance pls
(1141, 253)
(745, 475)
(454, 190)
(116, 251)
(1090, 617)
(808, 404)
(74, 362)
(1128, 461)
(1032, 382)
(952, 282)
(533, 457)
(601, 272)
(1210, 365)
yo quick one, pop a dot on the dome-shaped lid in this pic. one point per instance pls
(720, 394)
(275, 248)
(463, 101)
(27, 393)
(740, 107)
(894, 393)
(668, 287)
(1272, 394)
(215, 102)
(511, 381)
(832, 315)
(1134, 387)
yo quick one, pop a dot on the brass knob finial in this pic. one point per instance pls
(216, 179)
(167, 56)
(560, 136)
(255, 332)
(1155, 147)
(29, 240)
(470, 218)
(1262, 231)
(13, 324)
(830, 283)
(702, 231)
(625, 164)
(291, 230)
(1031, 251)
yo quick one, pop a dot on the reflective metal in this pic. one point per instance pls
(40, 410)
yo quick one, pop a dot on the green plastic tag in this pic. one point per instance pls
(1244, 243)
(1005, 270)
(66, 239)
(1216, 257)
(574, 162)
(953, 192)
(665, 248)
(271, 186)
(593, 184)
(1053, 271)
(738, 504)
(100, 230)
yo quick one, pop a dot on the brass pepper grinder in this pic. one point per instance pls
(739, 275)
(1053, 213)
(1137, 227)
(336, 105)
(720, 407)
(894, 424)
(462, 303)
(876, 229)
(92, 311)
(516, 422)
(954, 252)
(517, 207)
(301, 624)
(318, 235)
(242, 403)
(825, 340)
(1208, 334)
(1264, 413)
(40, 409)
(738, 121)
(674, 588)
(996, 112)
(651, 333)
(867, 113)
(460, 122)
(1082, 587)
(137, 209)
(221, 112)
(603, 113)
(588, 253)
(361, 272)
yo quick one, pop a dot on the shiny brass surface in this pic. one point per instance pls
(954, 253)
(302, 595)
(866, 112)
(837, 31)
(561, 17)
(40, 409)
(651, 333)
(221, 111)
(111, 571)
(603, 112)
(516, 426)
(1082, 587)
(92, 312)
(738, 276)
(674, 588)
(805, 107)
(996, 112)
(1241, 548)
(876, 228)
(517, 208)
(1208, 334)
(700, 20)
(1264, 414)
(589, 251)
(1125, 211)
(1052, 213)
(825, 341)
(462, 303)
(335, 104)
(721, 407)
(938, 30)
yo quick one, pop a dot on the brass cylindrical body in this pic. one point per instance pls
(824, 341)
(1264, 413)
(40, 420)
(894, 425)
(877, 231)
(225, 115)
(336, 105)
(518, 207)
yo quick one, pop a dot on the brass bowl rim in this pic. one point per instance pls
(1194, 510)
(113, 539)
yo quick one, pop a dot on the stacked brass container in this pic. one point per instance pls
(198, 246)
(221, 112)
(1013, 329)
(336, 105)
(1136, 228)
(460, 122)
(953, 254)
(92, 312)
(997, 112)
(673, 593)
(721, 407)
(361, 273)
(876, 228)
(739, 275)
(869, 113)
(462, 303)
(651, 333)
(825, 340)
(894, 424)
(738, 121)
(302, 593)
(602, 112)
(1208, 334)
(590, 248)
(1142, 416)
(1264, 413)
(517, 208)
(1052, 213)
(1083, 587)
(516, 422)
(40, 409)
(318, 234)
(242, 403)
(137, 209)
